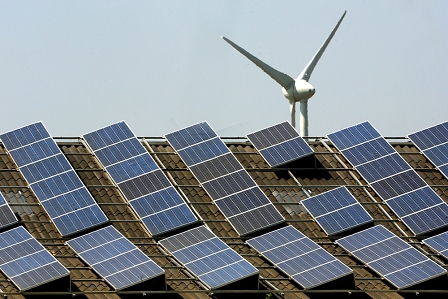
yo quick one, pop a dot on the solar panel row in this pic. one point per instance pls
(26, 262)
(225, 180)
(280, 144)
(403, 190)
(142, 182)
(54, 181)
(208, 258)
(392, 258)
(336, 211)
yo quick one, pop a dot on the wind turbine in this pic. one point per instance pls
(298, 90)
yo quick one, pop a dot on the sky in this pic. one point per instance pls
(161, 66)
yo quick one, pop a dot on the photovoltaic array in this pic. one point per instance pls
(392, 258)
(232, 189)
(26, 262)
(280, 144)
(433, 143)
(336, 210)
(299, 257)
(52, 179)
(141, 181)
(115, 258)
(7, 216)
(439, 243)
(392, 178)
(208, 258)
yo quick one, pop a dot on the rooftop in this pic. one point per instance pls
(285, 186)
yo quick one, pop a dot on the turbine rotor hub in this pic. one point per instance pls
(301, 90)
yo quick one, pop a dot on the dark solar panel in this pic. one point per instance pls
(7, 216)
(140, 179)
(233, 190)
(26, 262)
(280, 144)
(392, 258)
(54, 181)
(208, 258)
(392, 178)
(433, 142)
(336, 211)
(115, 258)
(299, 257)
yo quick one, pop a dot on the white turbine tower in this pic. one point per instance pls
(298, 90)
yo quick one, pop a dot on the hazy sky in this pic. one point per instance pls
(161, 65)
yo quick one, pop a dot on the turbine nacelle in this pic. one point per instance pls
(299, 91)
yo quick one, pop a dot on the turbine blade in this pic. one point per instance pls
(281, 78)
(306, 73)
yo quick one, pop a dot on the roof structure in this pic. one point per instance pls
(285, 187)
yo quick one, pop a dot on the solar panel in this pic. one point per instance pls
(433, 143)
(26, 262)
(336, 211)
(392, 178)
(225, 180)
(141, 181)
(392, 258)
(299, 257)
(115, 258)
(54, 181)
(7, 216)
(280, 144)
(439, 243)
(208, 258)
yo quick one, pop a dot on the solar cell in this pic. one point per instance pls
(139, 178)
(280, 144)
(54, 181)
(225, 180)
(115, 258)
(7, 216)
(299, 257)
(439, 243)
(392, 178)
(208, 258)
(26, 262)
(336, 211)
(392, 258)
(433, 143)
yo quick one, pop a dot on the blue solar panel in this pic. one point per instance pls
(191, 135)
(224, 179)
(383, 167)
(336, 211)
(280, 144)
(439, 243)
(115, 258)
(354, 135)
(392, 178)
(7, 216)
(299, 257)
(208, 258)
(368, 151)
(54, 181)
(392, 258)
(433, 142)
(141, 181)
(26, 262)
